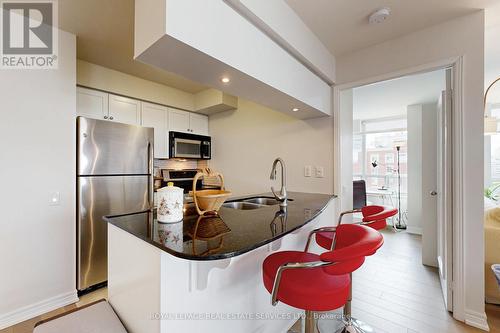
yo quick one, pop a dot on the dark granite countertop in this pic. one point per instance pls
(231, 233)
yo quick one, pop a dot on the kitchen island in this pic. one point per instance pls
(204, 273)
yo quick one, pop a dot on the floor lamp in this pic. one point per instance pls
(400, 224)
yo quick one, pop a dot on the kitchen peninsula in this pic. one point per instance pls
(204, 273)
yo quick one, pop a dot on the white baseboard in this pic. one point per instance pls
(414, 230)
(476, 319)
(37, 309)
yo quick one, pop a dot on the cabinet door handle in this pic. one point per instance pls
(111, 118)
(105, 117)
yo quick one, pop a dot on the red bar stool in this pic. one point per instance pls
(373, 217)
(319, 282)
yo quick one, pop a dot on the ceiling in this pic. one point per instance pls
(390, 98)
(105, 29)
(342, 25)
(105, 36)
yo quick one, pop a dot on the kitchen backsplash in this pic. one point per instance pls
(180, 165)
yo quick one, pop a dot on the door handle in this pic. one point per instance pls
(433, 193)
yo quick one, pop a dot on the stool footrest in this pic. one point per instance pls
(347, 325)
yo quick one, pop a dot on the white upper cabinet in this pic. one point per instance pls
(198, 124)
(124, 110)
(91, 103)
(100, 105)
(187, 122)
(178, 121)
(156, 116)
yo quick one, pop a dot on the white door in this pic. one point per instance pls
(91, 103)
(444, 193)
(428, 192)
(156, 116)
(178, 121)
(124, 110)
(198, 124)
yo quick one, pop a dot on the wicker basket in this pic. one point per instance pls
(207, 201)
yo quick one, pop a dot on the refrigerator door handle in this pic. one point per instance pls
(151, 174)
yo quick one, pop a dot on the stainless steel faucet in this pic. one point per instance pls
(282, 196)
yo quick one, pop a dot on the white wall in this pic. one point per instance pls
(278, 20)
(414, 117)
(98, 77)
(464, 37)
(214, 41)
(345, 137)
(37, 241)
(246, 142)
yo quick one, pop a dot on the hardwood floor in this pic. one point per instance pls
(393, 293)
(28, 325)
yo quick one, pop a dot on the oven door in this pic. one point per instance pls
(186, 148)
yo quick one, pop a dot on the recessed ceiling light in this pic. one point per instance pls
(379, 15)
(225, 80)
(295, 109)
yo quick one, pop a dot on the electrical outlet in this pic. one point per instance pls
(54, 198)
(307, 171)
(320, 172)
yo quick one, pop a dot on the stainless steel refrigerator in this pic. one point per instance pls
(114, 176)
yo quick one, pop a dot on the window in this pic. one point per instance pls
(382, 125)
(375, 155)
(357, 154)
(375, 158)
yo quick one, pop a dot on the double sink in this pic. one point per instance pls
(252, 203)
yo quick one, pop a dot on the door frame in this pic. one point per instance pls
(458, 163)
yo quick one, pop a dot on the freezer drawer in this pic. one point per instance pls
(108, 148)
(98, 197)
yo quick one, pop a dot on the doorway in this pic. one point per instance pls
(395, 135)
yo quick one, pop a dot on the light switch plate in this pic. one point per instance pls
(307, 171)
(54, 198)
(320, 172)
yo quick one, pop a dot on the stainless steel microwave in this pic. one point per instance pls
(189, 146)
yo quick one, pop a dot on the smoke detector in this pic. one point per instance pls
(379, 16)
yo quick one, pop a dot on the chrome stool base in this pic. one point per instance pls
(343, 326)
(356, 326)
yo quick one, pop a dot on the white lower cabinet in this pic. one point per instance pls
(156, 116)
